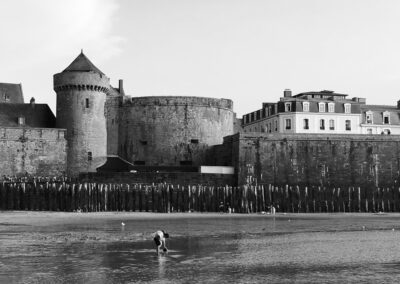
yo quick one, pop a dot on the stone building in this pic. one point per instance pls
(324, 112)
(96, 121)
(29, 140)
(312, 138)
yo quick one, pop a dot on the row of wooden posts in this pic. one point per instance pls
(93, 197)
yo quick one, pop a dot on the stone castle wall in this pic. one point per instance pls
(112, 114)
(171, 131)
(330, 160)
(37, 151)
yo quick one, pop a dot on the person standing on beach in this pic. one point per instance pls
(159, 239)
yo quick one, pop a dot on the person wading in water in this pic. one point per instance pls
(159, 239)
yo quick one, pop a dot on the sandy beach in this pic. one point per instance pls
(48, 218)
(117, 247)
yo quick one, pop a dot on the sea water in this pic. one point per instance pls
(331, 248)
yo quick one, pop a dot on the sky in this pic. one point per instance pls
(248, 51)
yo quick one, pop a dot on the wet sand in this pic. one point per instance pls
(45, 218)
(54, 247)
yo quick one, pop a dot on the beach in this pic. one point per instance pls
(117, 247)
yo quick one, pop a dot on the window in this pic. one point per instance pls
(347, 108)
(348, 125)
(321, 107)
(87, 103)
(288, 106)
(89, 156)
(369, 130)
(288, 123)
(306, 106)
(6, 98)
(194, 141)
(331, 107)
(331, 124)
(21, 120)
(323, 170)
(322, 124)
(270, 128)
(276, 125)
(386, 117)
(368, 117)
(305, 123)
(143, 142)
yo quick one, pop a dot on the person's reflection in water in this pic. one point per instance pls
(161, 266)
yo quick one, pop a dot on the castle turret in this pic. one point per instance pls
(81, 93)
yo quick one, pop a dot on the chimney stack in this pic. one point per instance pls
(32, 102)
(121, 87)
(287, 93)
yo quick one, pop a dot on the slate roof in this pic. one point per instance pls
(11, 93)
(37, 115)
(82, 64)
(323, 93)
(377, 114)
(115, 164)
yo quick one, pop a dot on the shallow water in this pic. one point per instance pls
(218, 249)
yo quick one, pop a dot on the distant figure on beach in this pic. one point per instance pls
(159, 239)
(221, 207)
(273, 210)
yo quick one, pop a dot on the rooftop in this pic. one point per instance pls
(37, 115)
(323, 93)
(82, 64)
(11, 93)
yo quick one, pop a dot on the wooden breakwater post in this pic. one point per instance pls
(93, 197)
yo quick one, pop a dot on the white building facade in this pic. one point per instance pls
(323, 112)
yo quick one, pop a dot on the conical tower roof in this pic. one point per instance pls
(82, 64)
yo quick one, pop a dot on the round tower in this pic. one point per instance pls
(81, 94)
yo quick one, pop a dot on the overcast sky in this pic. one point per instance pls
(248, 51)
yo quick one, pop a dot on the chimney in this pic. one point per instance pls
(121, 87)
(287, 93)
(32, 102)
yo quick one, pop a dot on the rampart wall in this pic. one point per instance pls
(176, 178)
(327, 160)
(36, 151)
(171, 131)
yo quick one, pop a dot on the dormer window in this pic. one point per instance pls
(331, 107)
(347, 108)
(21, 120)
(288, 107)
(321, 107)
(306, 106)
(369, 117)
(386, 117)
(6, 98)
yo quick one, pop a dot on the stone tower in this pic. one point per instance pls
(81, 94)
